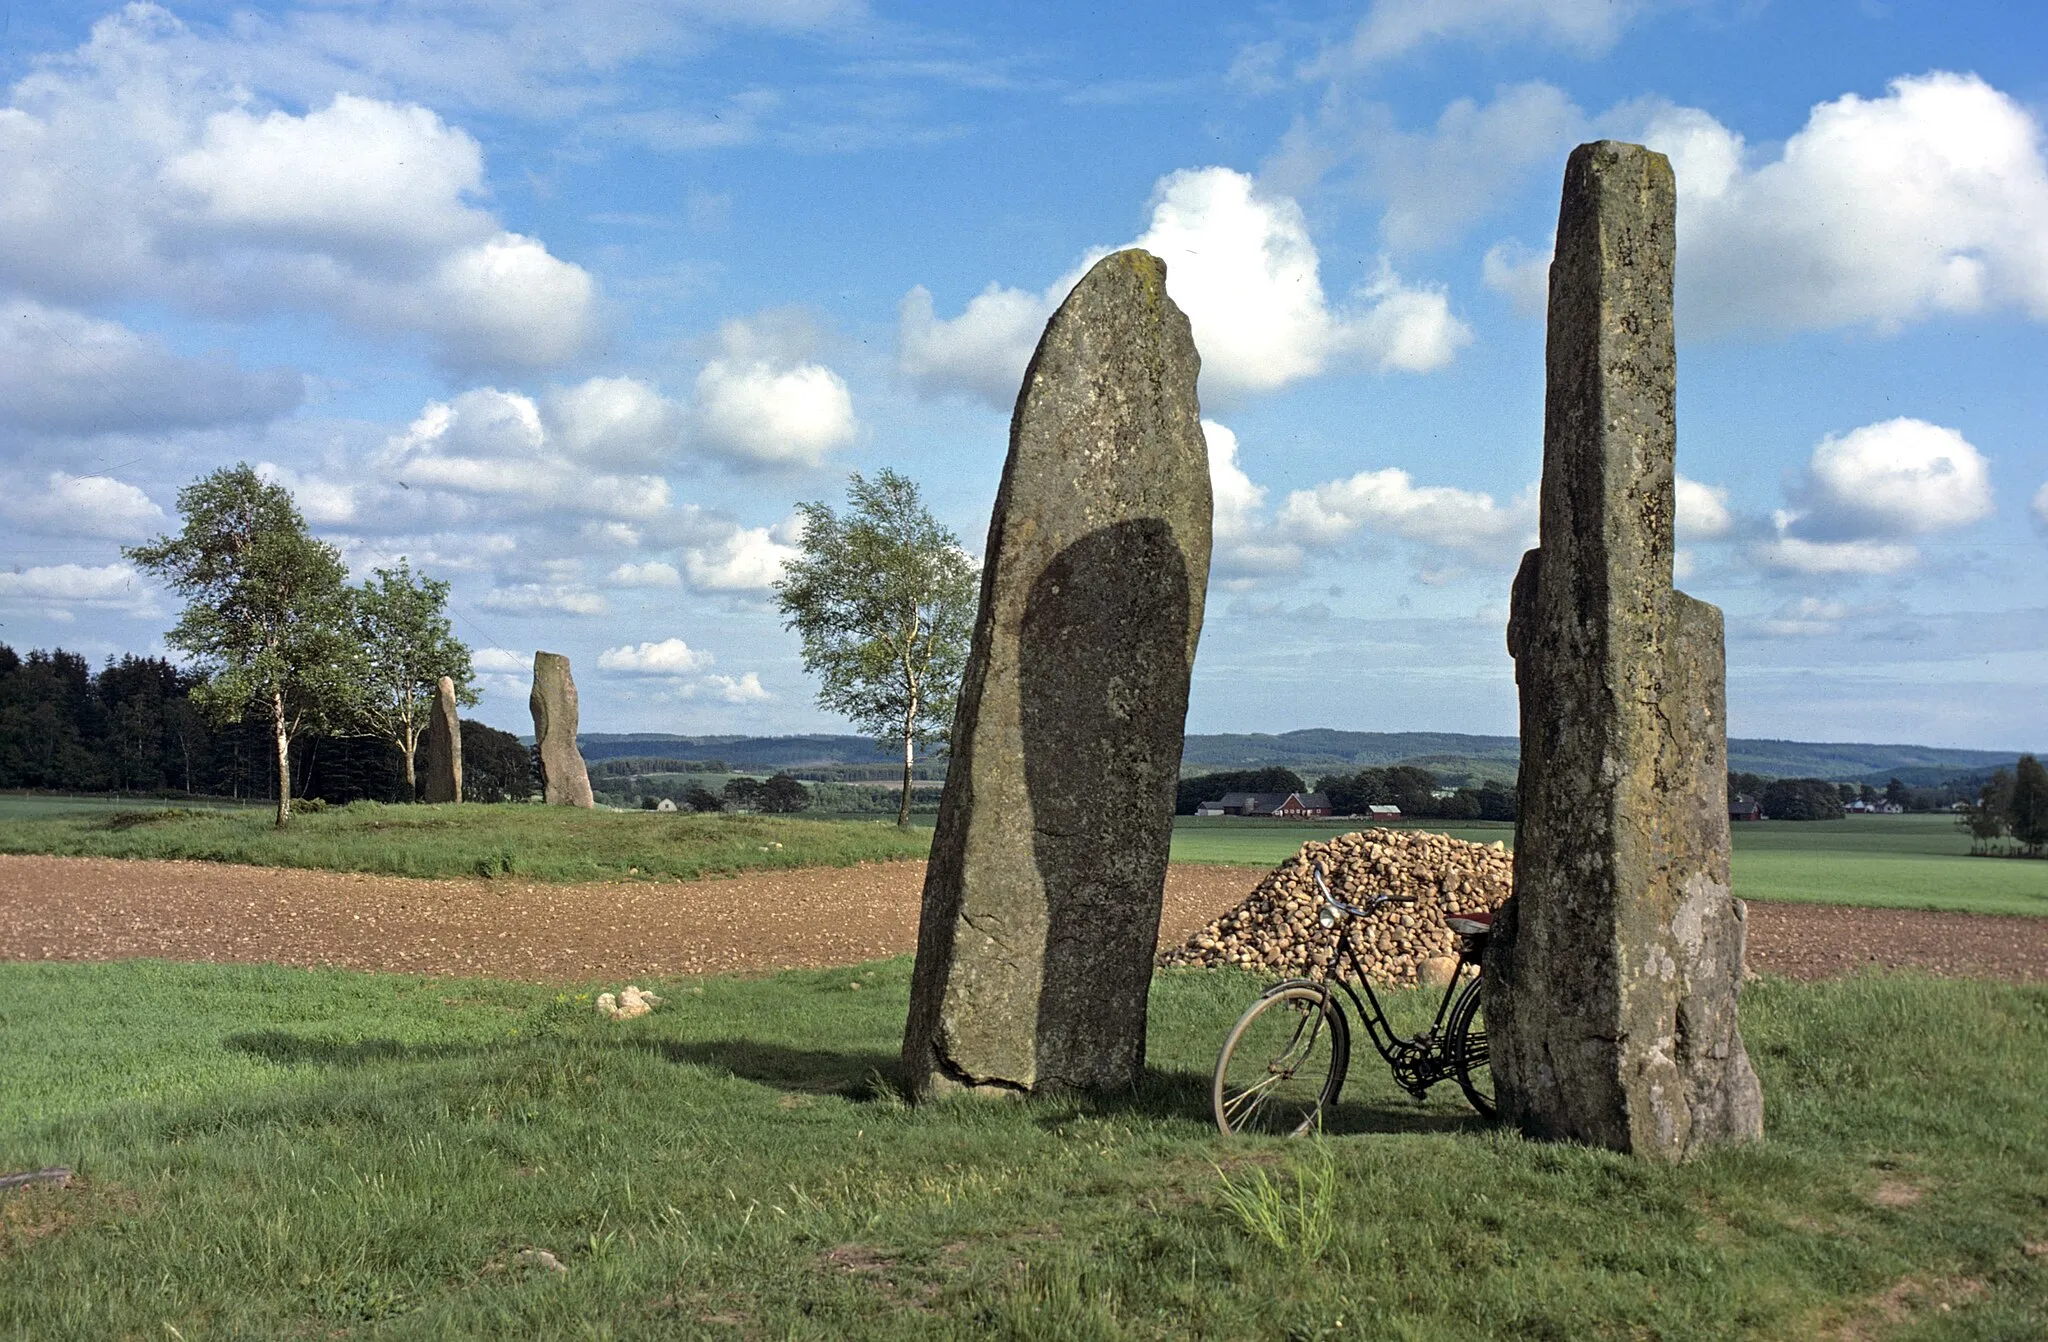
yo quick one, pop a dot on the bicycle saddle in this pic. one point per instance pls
(1470, 924)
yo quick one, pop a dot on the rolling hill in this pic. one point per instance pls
(1327, 750)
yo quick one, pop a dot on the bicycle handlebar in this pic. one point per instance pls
(1356, 911)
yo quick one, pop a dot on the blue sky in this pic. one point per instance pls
(572, 304)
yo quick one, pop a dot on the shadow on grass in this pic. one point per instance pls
(857, 1075)
(284, 1047)
(1170, 1095)
(868, 1076)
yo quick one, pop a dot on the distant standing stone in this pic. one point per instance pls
(563, 779)
(1612, 973)
(443, 780)
(1048, 867)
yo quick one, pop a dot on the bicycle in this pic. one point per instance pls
(1285, 1060)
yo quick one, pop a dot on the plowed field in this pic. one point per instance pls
(103, 909)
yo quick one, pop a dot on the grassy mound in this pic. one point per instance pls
(273, 1153)
(536, 843)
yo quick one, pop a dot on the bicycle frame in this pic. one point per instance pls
(1417, 1062)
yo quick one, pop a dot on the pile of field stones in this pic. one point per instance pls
(1276, 930)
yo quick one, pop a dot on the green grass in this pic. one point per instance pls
(532, 842)
(278, 1153)
(1898, 861)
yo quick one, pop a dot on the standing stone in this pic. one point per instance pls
(1048, 867)
(563, 779)
(1612, 974)
(443, 782)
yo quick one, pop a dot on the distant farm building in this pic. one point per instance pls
(1388, 813)
(1745, 808)
(1280, 805)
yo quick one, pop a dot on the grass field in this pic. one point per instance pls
(271, 1153)
(533, 842)
(42, 806)
(1895, 861)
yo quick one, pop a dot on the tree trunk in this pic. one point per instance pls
(909, 755)
(408, 746)
(284, 758)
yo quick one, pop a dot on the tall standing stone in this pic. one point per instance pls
(563, 779)
(443, 781)
(1612, 974)
(1048, 868)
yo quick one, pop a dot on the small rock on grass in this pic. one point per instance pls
(628, 1005)
(539, 1258)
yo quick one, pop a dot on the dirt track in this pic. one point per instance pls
(55, 908)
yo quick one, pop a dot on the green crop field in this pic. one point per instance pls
(540, 843)
(1898, 861)
(278, 1153)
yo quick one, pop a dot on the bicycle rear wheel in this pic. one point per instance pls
(1465, 1042)
(1283, 1064)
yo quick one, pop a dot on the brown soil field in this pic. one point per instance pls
(65, 908)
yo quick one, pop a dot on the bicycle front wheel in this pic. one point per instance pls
(1465, 1042)
(1283, 1064)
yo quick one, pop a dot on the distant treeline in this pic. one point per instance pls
(1818, 799)
(1412, 789)
(131, 726)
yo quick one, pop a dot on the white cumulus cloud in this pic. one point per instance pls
(1388, 502)
(744, 689)
(1242, 266)
(53, 589)
(2041, 505)
(653, 573)
(757, 413)
(537, 598)
(1867, 494)
(501, 661)
(1878, 212)
(1901, 477)
(85, 505)
(498, 448)
(669, 657)
(131, 171)
(1245, 542)
(1703, 511)
(743, 560)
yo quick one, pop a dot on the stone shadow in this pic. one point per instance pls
(1102, 684)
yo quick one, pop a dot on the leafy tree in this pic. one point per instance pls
(2026, 807)
(783, 795)
(702, 799)
(496, 766)
(265, 611)
(401, 624)
(1984, 819)
(883, 599)
(1497, 801)
(1895, 794)
(743, 791)
(1802, 799)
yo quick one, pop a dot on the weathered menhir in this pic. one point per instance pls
(564, 781)
(1613, 972)
(1048, 868)
(443, 781)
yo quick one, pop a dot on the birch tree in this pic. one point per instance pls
(265, 610)
(884, 601)
(401, 625)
